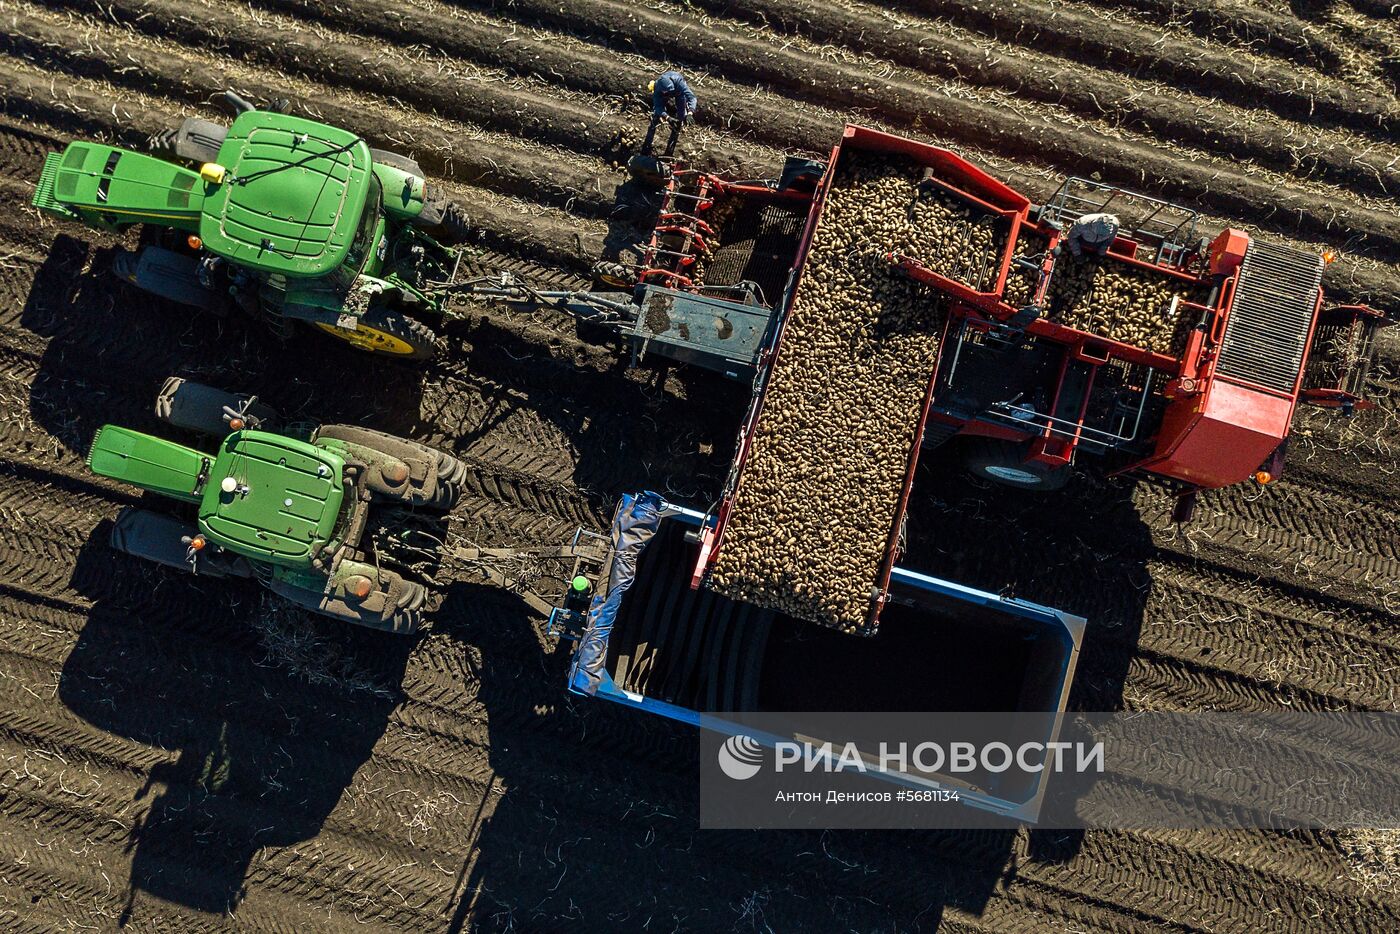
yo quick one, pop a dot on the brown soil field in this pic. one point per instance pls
(177, 755)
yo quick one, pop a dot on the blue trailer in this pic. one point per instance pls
(653, 639)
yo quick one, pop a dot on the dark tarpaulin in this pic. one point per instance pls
(638, 517)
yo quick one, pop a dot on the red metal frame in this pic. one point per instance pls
(1215, 433)
(696, 233)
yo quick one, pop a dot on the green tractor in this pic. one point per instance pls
(340, 520)
(275, 215)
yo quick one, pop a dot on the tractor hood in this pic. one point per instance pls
(148, 462)
(120, 187)
(283, 497)
(291, 197)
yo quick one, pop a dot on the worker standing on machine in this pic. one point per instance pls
(1093, 234)
(671, 98)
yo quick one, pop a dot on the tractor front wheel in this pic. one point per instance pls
(1002, 462)
(388, 333)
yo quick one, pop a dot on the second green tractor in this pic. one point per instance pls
(341, 520)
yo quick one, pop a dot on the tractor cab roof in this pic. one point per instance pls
(292, 195)
(272, 498)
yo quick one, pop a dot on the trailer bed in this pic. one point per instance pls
(811, 522)
(679, 652)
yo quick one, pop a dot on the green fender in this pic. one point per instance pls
(404, 192)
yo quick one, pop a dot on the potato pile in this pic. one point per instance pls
(1118, 301)
(817, 501)
(949, 236)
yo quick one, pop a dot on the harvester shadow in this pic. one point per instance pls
(254, 752)
(1083, 549)
(573, 779)
(647, 428)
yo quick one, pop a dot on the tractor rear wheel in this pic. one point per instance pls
(441, 480)
(394, 160)
(388, 333)
(395, 605)
(444, 220)
(1003, 462)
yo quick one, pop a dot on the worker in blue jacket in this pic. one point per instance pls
(671, 98)
(671, 95)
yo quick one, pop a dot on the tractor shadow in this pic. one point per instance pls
(247, 752)
(574, 776)
(110, 346)
(654, 427)
(254, 751)
(590, 820)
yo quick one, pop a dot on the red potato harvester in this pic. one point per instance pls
(1036, 386)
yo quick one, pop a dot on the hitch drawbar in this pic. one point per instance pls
(596, 307)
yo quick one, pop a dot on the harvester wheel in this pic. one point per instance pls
(649, 170)
(389, 333)
(1003, 462)
(614, 275)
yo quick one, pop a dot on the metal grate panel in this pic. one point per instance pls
(1275, 296)
(758, 245)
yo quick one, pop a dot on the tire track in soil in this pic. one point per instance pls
(1206, 652)
(991, 126)
(1103, 905)
(1203, 123)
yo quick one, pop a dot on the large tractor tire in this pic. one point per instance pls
(435, 479)
(441, 218)
(393, 605)
(154, 536)
(388, 333)
(1003, 462)
(200, 408)
(444, 220)
(394, 160)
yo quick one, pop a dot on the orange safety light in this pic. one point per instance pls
(359, 585)
(1263, 476)
(194, 242)
(236, 424)
(197, 543)
(1329, 257)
